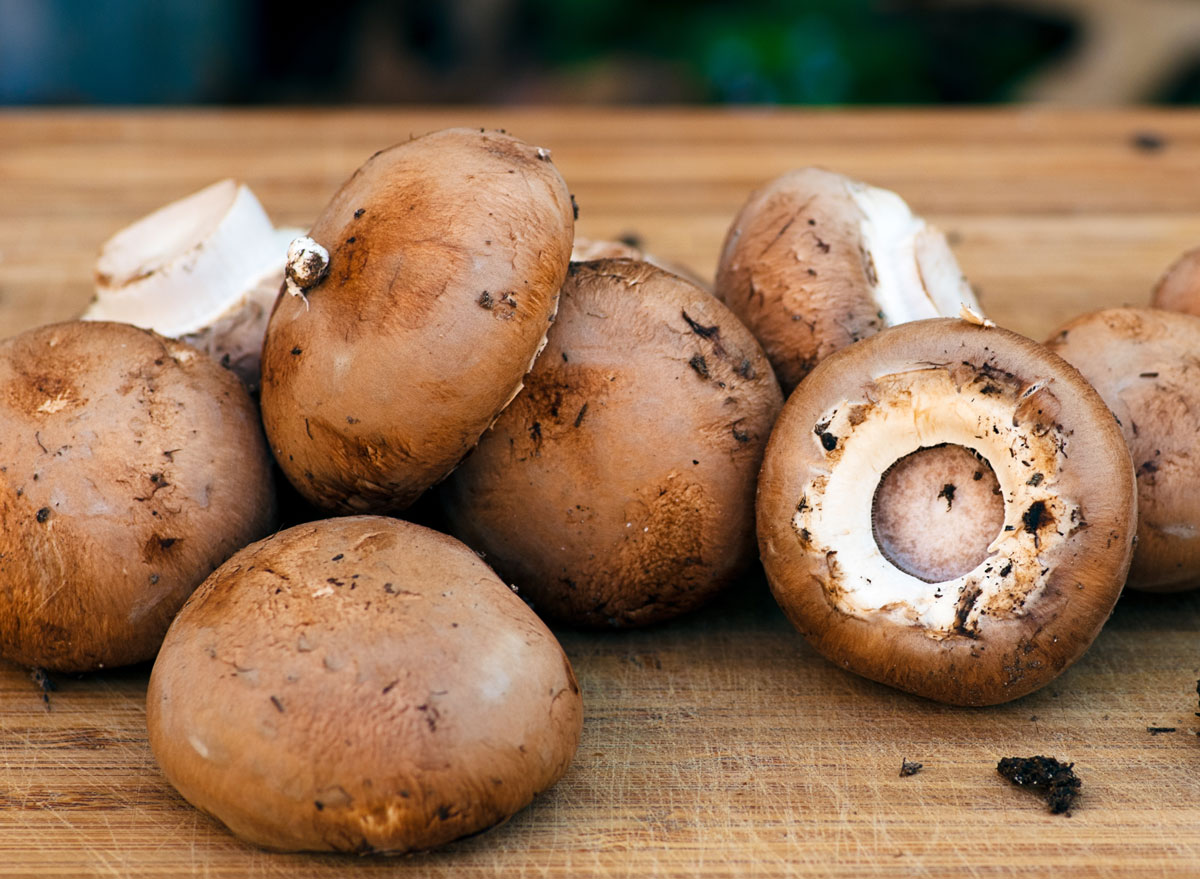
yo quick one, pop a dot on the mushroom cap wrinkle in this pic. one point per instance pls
(1047, 569)
(360, 684)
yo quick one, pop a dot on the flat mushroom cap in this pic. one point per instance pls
(446, 255)
(360, 684)
(130, 467)
(1145, 363)
(618, 488)
(1047, 579)
(815, 261)
(1179, 287)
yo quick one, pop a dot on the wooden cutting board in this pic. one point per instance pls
(720, 745)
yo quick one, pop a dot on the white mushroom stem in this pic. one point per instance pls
(915, 273)
(205, 268)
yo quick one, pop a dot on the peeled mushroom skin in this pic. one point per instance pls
(618, 488)
(362, 685)
(1145, 363)
(446, 255)
(931, 413)
(815, 261)
(130, 467)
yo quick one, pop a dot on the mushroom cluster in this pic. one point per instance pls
(941, 504)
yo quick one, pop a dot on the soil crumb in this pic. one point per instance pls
(908, 767)
(43, 682)
(1055, 781)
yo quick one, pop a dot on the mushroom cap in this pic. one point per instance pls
(592, 249)
(618, 488)
(1145, 363)
(130, 467)
(1179, 287)
(360, 684)
(815, 261)
(446, 255)
(1051, 574)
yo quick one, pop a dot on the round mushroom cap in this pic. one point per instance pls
(1145, 363)
(1013, 586)
(1179, 287)
(815, 261)
(618, 488)
(445, 256)
(362, 685)
(130, 467)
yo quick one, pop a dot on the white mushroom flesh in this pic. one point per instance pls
(911, 268)
(930, 405)
(190, 263)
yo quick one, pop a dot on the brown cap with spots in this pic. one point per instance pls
(1012, 472)
(131, 465)
(1146, 365)
(618, 488)
(360, 684)
(446, 255)
(815, 261)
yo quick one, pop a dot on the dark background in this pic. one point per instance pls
(598, 51)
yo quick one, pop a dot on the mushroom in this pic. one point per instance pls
(422, 297)
(205, 269)
(948, 508)
(1179, 287)
(815, 261)
(1145, 363)
(360, 685)
(618, 488)
(131, 465)
(591, 249)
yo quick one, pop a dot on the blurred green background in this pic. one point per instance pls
(598, 51)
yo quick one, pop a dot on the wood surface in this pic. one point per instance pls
(720, 745)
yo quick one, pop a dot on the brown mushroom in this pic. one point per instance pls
(362, 685)
(443, 258)
(591, 249)
(815, 261)
(948, 508)
(1179, 287)
(130, 467)
(1146, 365)
(618, 488)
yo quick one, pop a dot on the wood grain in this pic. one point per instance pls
(720, 745)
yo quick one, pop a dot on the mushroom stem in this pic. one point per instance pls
(307, 265)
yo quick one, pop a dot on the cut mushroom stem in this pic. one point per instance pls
(307, 266)
(205, 269)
